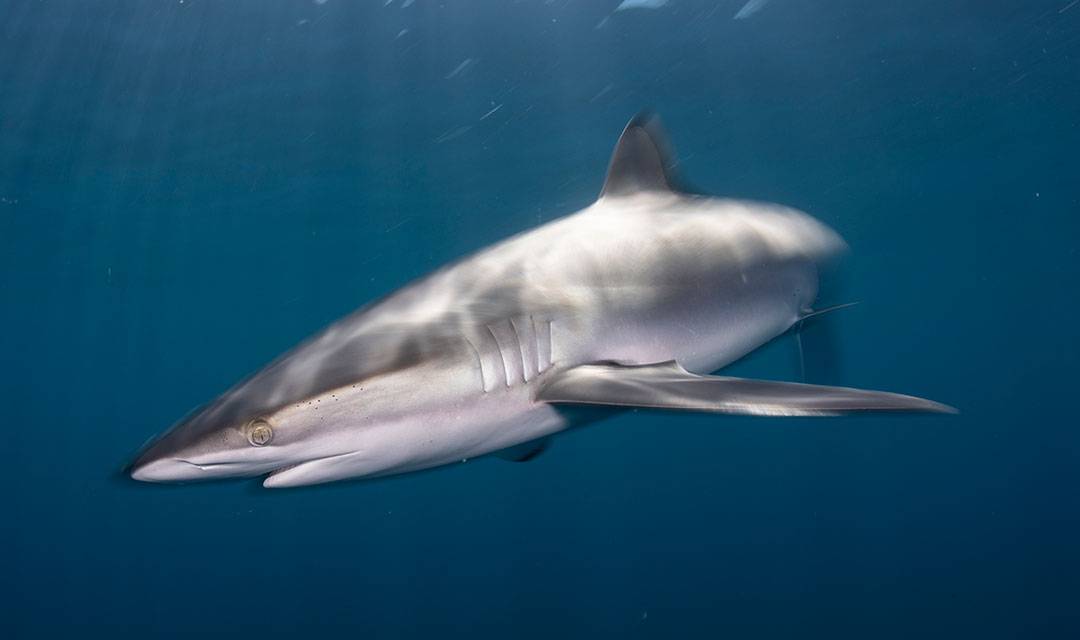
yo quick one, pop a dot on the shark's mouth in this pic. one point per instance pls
(210, 466)
(312, 471)
(226, 469)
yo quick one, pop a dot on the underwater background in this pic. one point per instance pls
(188, 188)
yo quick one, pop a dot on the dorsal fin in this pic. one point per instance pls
(641, 160)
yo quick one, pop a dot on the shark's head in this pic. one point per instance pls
(234, 437)
(307, 409)
(207, 445)
(276, 419)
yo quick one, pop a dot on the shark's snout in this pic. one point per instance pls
(199, 448)
(148, 464)
(173, 469)
(166, 470)
(162, 461)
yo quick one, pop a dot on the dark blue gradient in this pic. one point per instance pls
(188, 188)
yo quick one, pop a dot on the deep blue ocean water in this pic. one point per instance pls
(189, 188)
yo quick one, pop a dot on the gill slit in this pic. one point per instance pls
(502, 358)
(479, 363)
(520, 350)
(536, 345)
(545, 341)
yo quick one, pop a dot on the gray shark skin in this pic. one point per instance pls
(629, 302)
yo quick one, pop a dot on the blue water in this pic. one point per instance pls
(189, 188)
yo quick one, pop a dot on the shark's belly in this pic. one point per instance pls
(486, 423)
(713, 320)
(718, 319)
(477, 400)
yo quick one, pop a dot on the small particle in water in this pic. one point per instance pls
(452, 134)
(461, 67)
(407, 3)
(640, 4)
(750, 8)
(492, 112)
(601, 93)
(320, 1)
(401, 33)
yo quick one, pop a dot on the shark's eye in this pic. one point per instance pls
(260, 433)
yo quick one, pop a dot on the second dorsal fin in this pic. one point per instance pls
(641, 160)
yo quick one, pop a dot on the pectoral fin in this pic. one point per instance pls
(667, 385)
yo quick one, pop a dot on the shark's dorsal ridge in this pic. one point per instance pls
(641, 160)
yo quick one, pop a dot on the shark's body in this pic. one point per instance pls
(614, 305)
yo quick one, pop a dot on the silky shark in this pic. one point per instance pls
(631, 302)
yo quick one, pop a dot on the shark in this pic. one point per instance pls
(635, 301)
